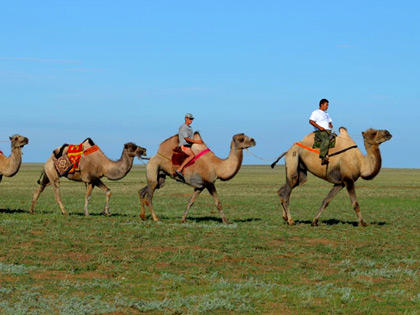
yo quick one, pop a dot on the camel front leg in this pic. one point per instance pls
(212, 190)
(196, 193)
(352, 193)
(108, 194)
(333, 192)
(89, 188)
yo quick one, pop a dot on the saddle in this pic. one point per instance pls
(67, 161)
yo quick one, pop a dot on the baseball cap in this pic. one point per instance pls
(188, 115)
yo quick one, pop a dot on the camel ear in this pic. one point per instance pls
(126, 146)
(10, 138)
(363, 133)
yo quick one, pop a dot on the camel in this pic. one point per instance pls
(9, 166)
(200, 175)
(92, 168)
(346, 165)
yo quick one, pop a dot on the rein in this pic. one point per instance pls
(256, 156)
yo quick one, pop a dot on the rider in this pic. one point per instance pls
(322, 123)
(185, 137)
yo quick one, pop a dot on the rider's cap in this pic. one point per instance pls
(188, 115)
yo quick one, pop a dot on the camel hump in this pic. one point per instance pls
(343, 131)
(59, 151)
(88, 141)
(197, 136)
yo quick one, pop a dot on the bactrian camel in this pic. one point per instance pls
(92, 168)
(200, 175)
(343, 169)
(9, 166)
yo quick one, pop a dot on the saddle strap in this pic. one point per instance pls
(344, 150)
(198, 156)
(332, 154)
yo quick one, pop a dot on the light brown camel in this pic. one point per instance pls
(9, 166)
(200, 175)
(343, 169)
(92, 168)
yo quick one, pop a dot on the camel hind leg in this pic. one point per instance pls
(43, 182)
(296, 174)
(155, 180)
(54, 179)
(146, 199)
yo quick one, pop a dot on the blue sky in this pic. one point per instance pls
(129, 71)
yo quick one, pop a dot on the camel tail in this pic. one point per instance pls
(278, 159)
(43, 178)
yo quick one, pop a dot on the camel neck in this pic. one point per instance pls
(115, 170)
(12, 163)
(372, 161)
(227, 168)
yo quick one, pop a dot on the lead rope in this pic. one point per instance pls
(144, 158)
(256, 156)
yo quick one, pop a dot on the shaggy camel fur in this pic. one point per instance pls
(200, 175)
(9, 166)
(342, 170)
(92, 168)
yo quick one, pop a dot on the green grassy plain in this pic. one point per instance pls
(50, 263)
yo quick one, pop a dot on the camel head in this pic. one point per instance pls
(134, 150)
(241, 141)
(18, 141)
(373, 136)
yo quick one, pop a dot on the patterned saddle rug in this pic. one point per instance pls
(69, 163)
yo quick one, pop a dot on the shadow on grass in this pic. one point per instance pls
(13, 211)
(98, 214)
(335, 222)
(218, 219)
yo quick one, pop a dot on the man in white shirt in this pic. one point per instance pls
(322, 123)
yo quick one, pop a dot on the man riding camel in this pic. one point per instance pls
(185, 137)
(322, 123)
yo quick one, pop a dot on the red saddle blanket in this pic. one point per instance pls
(75, 152)
(178, 157)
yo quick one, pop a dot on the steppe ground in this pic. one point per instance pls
(73, 264)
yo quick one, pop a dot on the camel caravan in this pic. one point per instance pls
(186, 158)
